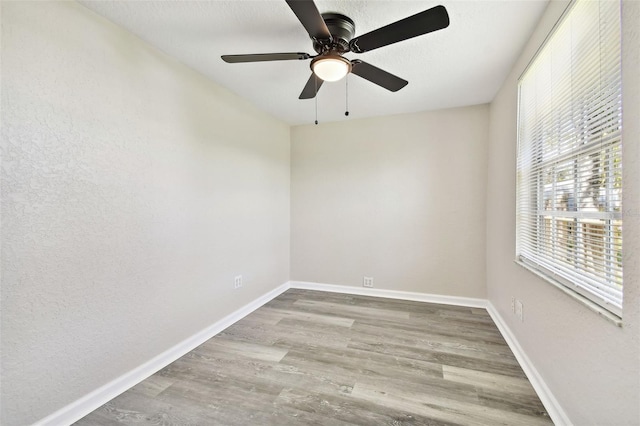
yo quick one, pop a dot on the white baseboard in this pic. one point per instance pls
(550, 403)
(88, 403)
(392, 294)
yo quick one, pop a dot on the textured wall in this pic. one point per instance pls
(400, 199)
(133, 191)
(591, 366)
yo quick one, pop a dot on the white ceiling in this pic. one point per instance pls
(464, 64)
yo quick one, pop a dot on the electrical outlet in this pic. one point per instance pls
(513, 305)
(367, 282)
(237, 282)
(519, 310)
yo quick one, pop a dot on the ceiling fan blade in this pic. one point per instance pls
(311, 88)
(310, 18)
(261, 57)
(421, 23)
(377, 76)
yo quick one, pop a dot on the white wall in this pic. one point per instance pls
(133, 191)
(591, 366)
(399, 198)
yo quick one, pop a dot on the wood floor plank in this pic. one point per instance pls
(513, 402)
(498, 366)
(246, 349)
(153, 385)
(442, 408)
(241, 380)
(289, 334)
(136, 409)
(350, 311)
(350, 411)
(488, 380)
(263, 316)
(354, 362)
(311, 317)
(434, 342)
(224, 400)
(315, 358)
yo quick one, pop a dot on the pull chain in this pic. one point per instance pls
(315, 80)
(346, 95)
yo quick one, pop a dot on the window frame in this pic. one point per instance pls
(551, 270)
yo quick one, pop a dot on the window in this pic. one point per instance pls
(569, 168)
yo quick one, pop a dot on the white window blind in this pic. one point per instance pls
(569, 177)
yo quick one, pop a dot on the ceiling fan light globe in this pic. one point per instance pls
(330, 68)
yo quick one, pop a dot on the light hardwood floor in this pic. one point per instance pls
(321, 358)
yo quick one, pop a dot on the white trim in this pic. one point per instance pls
(93, 400)
(392, 294)
(88, 403)
(571, 290)
(550, 403)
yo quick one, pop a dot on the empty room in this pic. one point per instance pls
(327, 212)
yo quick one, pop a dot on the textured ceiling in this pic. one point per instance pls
(464, 64)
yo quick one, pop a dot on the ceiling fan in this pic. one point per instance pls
(332, 36)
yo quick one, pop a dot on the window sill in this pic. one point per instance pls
(611, 317)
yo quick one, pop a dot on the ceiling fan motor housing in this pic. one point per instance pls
(342, 29)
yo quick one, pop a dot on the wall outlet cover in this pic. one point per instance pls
(519, 310)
